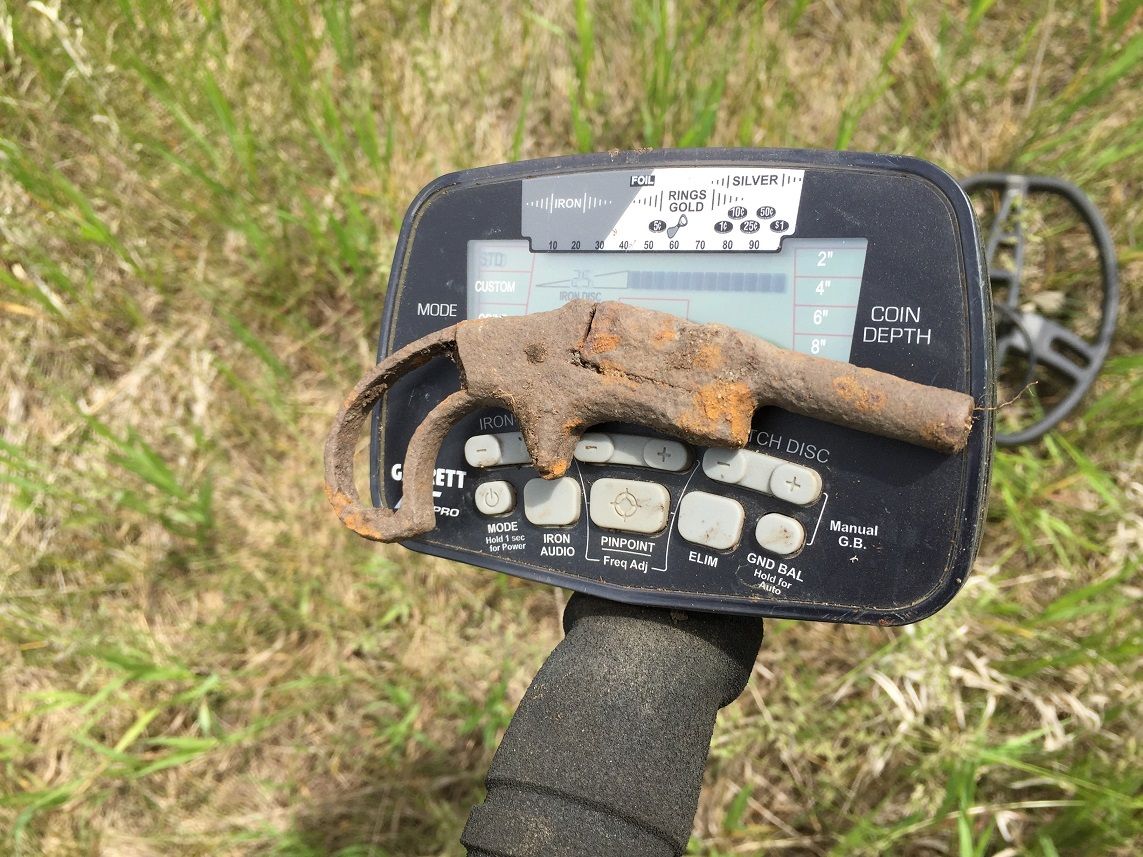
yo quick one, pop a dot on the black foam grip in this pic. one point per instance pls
(606, 752)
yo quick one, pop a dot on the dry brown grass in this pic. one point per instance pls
(197, 212)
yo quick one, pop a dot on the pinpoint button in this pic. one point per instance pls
(630, 505)
(625, 505)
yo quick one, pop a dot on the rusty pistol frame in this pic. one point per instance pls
(563, 371)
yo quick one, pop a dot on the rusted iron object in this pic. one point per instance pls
(563, 371)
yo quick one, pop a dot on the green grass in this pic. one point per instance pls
(198, 207)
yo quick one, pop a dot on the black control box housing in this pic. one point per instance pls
(891, 531)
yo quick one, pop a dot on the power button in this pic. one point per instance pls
(495, 498)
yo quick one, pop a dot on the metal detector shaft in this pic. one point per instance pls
(605, 754)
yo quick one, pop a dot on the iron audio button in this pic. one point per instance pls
(552, 502)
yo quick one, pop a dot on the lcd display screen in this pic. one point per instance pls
(803, 297)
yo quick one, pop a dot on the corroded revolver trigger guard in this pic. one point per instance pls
(415, 516)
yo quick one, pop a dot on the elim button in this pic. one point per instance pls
(707, 519)
(594, 448)
(665, 455)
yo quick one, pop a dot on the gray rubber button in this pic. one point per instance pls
(490, 450)
(665, 455)
(780, 534)
(740, 467)
(796, 484)
(552, 502)
(707, 519)
(627, 449)
(724, 465)
(625, 504)
(632, 449)
(594, 448)
(495, 498)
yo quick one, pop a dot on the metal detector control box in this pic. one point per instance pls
(868, 259)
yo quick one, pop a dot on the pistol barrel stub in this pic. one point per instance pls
(731, 373)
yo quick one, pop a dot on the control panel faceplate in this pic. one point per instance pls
(864, 258)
